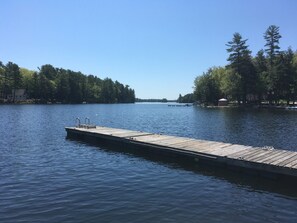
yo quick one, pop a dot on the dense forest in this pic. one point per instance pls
(268, 77)
(57, 85)
(188, 98)
(163, 100)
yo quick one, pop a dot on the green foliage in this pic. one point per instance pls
(207, 87)
(238, 52)
(13, 78)
(63, 87)
(231, 85)
(27, 77)
(2, 80)
(163, 100)
(218, 82)
(294, 84)
(272, 38)
(52, 84)
(270, 75)
(241, 65)
(49, 71)
(285, 75)
(261, 70)
(188, 98)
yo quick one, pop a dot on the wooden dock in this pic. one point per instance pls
(259, 161)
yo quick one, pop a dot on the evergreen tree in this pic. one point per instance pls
(63, 87)
(260, 63)
(13, 73)
(3, 81)
(75, 87)
(35, 91)
(285, 75)
(108, 91)
(241, 63)
(272, 37)
(188, 98)
(52, 84)
(180, 98)
(45, 88)
(49, 71)
(294, 93)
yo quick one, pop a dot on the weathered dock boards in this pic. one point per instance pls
(257, 160)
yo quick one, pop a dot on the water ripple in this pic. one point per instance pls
(46, 178)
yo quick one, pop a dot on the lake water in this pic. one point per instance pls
(46, 178)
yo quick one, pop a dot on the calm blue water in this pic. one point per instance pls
(46, 178)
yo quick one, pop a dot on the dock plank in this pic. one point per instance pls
(271, 160)
(111, 132)
(133, 134)
(249, 153)
(288, 161)
(257, 153)
(215, 148)
(273, 153)
(226, 152)
(197, 146)
(169, 142)
(152, 138)
(262, 155)
(291, 164)
(281, 159)
(243, 151)
(204, 146)
(294, 167)
(184, 144)
(270, 154)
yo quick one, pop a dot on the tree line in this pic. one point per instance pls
(269, 76)
(187, 98)
(58, 85)
(163, 100)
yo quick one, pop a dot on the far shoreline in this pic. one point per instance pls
(264, 106)
(250, 106)
(57, 103)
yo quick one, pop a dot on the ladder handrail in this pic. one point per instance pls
(77, 120)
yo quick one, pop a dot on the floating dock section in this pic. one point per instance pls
(256, 160)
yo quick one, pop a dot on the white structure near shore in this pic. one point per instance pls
(223, 102)
(17, 95)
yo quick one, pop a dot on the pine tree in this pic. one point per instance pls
(260, 63)
(13, 73)
(241, 64)
(285, 75)
(272, 38)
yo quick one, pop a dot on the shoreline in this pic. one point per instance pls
(272, 107)
(264, 106)
(32, 102)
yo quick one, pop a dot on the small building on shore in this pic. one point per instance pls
(223, 102)
(17, 95)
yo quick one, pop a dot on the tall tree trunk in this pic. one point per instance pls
(13, 99)
(270, 97)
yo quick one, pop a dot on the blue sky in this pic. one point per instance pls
(157, 47)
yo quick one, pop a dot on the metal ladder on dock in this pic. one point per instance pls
(86, 125)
